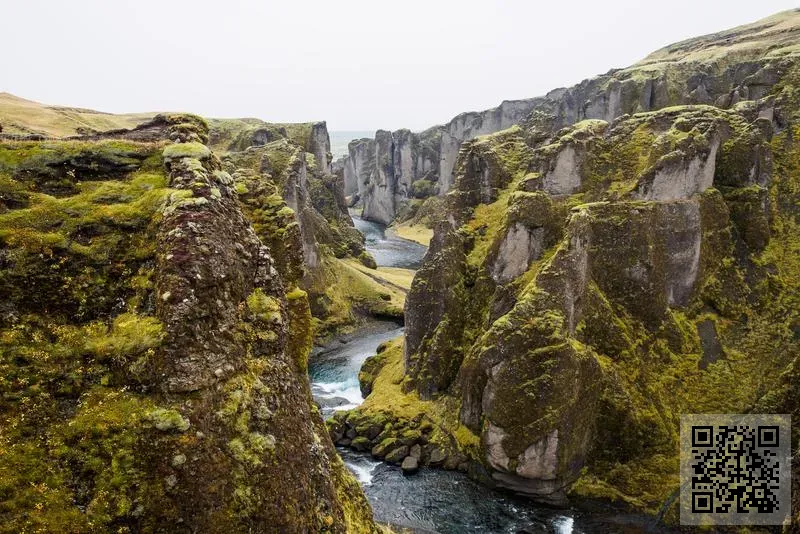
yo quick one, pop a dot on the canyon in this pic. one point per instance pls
(599, 261)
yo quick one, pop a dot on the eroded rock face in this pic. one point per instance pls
(682, 179)
(565, 177)
(750, 61)
(210, 254)
(298, 208)
(560, 263)
(189, 346)
(381, 172)
(519, 247)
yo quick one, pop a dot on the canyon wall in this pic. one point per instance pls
(588, 284)
(154, 342)
(283, 176)
(719, 69)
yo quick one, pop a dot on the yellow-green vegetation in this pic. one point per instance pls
(99, 258)
(355, 294)
(186, 150)
(401, 413)
(57, 167)
(301, 329)
(84, 473)
(413, 232)
(487, 223)
(75, 281)
(235, 135)
(74, 254)
(307, 242)
(394, 276)
(605, 332)
(20, 116)
(775, 34)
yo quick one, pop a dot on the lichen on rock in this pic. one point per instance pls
(587, 286)
(149, 382)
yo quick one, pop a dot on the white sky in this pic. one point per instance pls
(359, 64)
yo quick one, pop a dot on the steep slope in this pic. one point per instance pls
(282, 174)
(588, 285)
(153, 348)
(720, 69)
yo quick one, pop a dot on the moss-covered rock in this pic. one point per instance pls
(570, 327)
(149, 383)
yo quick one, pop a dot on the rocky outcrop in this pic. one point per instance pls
(381, 173)
(586, 287)
(720, 69)
(296, 203)
(163, 346)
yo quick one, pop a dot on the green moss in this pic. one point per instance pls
(301, 331)
(423, 189)
(62, 248)
(367, 260)
(186, 150)
(354, 294)
(167, 420)
(264, 307)
(252, 449)
(95, 456)
(285, 211)
(129, 335)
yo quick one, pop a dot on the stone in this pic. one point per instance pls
(436, 456)
(395, 456)
(360, 444)
(410, 465)
(381, 449)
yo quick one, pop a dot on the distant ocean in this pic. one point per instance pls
(340, 140)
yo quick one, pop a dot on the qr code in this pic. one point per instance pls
(735, 469)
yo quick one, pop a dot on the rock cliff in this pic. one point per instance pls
(719, 69)
(283, 176)
(590, 283)
(153, 346)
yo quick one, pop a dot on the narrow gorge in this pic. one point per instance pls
(492, 325)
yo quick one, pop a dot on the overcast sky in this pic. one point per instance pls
(360, 64)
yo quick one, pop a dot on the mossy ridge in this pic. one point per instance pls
(68, 354)
(56, 167)
(89, 473)
(237, 135)
(643, 348)
(263, 202)
(101, 452)
(357, 296)
(300, 213)
(59, 248)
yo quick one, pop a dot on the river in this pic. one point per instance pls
(431, 500)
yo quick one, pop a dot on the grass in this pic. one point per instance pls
(413, 232)
(359, 292)
(391, 276)
(20, 116)
(388, 396)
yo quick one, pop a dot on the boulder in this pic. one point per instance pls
(396, 456)
(410, 465)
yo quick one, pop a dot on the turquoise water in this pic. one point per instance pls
(340, 140)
